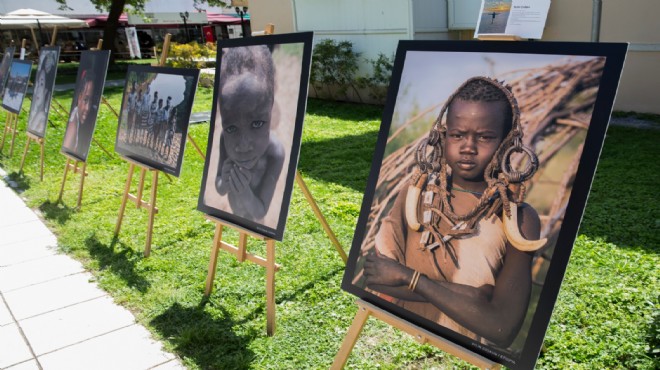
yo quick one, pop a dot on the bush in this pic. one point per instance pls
(380, 77)
(333, 66)
(191, 55)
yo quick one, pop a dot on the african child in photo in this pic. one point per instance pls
(251, 159)
(457, 246)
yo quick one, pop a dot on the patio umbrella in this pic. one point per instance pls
(32, 18)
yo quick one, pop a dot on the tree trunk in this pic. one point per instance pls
(110, 31)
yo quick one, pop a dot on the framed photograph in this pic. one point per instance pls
(5, 65)
(256, 125)
(44, 82)
(155, 111)
(16, 86)
(483, 164)
(85, 104)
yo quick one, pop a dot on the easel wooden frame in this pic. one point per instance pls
(73, 165)
(243, 255)
(137, 199)
(40, 141)
(365, 310)
(11, 126)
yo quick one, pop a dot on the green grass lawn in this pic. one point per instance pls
(602, 318)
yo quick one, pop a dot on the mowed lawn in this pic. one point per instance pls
(603, 318)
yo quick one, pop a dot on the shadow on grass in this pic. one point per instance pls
(56, 211)
(345, 160)
(121, 263)
(344, 110)
(17, 181)
(207, 340)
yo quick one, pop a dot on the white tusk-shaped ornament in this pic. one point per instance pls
(512, 232)
(412, 199)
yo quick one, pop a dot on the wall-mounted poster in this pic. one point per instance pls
(16, 86)
(44, 82)
(256, 126)
(5, 64)
(153, 124)
(85, 104)
(481, 173)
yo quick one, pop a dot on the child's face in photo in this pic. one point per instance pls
(246, 106)
(85, 100)
(474, 132)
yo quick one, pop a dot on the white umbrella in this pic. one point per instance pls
(31, 19)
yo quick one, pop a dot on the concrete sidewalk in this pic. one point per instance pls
(52, 315)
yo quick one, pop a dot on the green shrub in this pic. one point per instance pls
(334, 64)
(191, 55)
(379, 80)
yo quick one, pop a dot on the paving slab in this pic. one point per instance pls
(130, 348)
(37, 271)
(13, 348)
(74, 324)
(28, 250)
(27, 365)
(5, 316)
(52, 295)
(23, 231)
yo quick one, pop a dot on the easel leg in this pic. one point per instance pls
(27, 145)
(213, 261)
(270, 287)
(83, 174)
(13, 136)
(242, 247)
(41, 147)
(196, 146)
(320, 217)
(152, 212)
(351, 338)
(127, 188)
(66, 170)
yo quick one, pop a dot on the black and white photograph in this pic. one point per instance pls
(474, 197)
(16, 86)
(155, 113)
(5, 64)
(44, 82)
(256, 127)
(85, 104)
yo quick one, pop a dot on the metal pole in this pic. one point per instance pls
(595, 20)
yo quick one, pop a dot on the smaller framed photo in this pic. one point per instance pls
(85, 104)
(155, 113)
(16, 86)
(44, 82)
(5, 64)
(256, 126)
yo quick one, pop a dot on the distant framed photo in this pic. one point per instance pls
(44, 82)
(155, 111)
(16, 86)
(5, 64)
(481, 173)
(256, 127)
(85, 104)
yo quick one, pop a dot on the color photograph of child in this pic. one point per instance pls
(477, 171)
(255, 122)
(85, 104)
(44, 83)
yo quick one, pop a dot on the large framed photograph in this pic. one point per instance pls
(5, 64)
(481, 173)
(85, 104)
(256, 126)
(16, 86)
(155, 111)
(44, 82)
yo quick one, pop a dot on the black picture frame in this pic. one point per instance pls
(157, 145)
(291, 55)
(16, 85)
(44, 83)
(459, 61)
(90, 82)
(5, 64)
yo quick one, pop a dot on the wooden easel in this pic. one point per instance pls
(499, 37)
(73, 164)
(40, 141)
(137, 199)
(242, 255)
(421, 335)
(10, 127)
